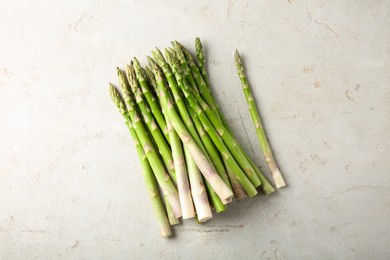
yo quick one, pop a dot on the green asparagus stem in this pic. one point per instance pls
(173, 220)
(177, 95)
(163, 179)
(211, 149)
(206, 94)
(149, 120)
(198, 190)
(276, 174)
(197, 187)
(181, 171)
(201, 62)
(245, 182)
(204, 111)
(186, 69)
(204, 90)
(150, 98)
(199, 157)
(150, 181)
(238, 190)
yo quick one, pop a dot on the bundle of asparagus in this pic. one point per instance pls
(190, 159)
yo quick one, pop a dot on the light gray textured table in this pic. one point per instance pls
(70, 183)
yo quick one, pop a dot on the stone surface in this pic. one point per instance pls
(70, 183)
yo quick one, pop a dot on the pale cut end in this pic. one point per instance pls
(166, 232)
(240, 193)
(275, 172)
(188, 210)
(204, 215)
(174, 221)
(226, 201)
(278, 179)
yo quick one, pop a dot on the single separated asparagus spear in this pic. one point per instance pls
(168, 188)
(248, 186)
(199, 157)
(276, 175)
(205, 92)
(150, 181)
(177, 96)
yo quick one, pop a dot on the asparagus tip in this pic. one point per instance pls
(136, 62)
(198, 43)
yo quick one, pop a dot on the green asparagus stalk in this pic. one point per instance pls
(204, 111)
(276, 174)
(149, 120)
(245, 182)
(198, 190)
(168, 188)
(150, 181)
(211, 149)
(197, 185)
(205, 92)
(177, 95)
(178, 51)
(181, 170)
(201, 62)
(238, 190)
(183, 185)
(201, 160)
(150, 98)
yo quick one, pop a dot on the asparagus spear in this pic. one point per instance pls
(150, 98)
(177, 150)
(211, 149)
(163, 179)
(181, 173)
(198, 191)
(205, 92)
(276, 174)
(177, 95)
(149, 120)
(201, 62)
(178, 51)
(248, 186)
(199, 157)
(238, 190)
(204, 111)
(150, 181)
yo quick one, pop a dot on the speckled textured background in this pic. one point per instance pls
(70, 183)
